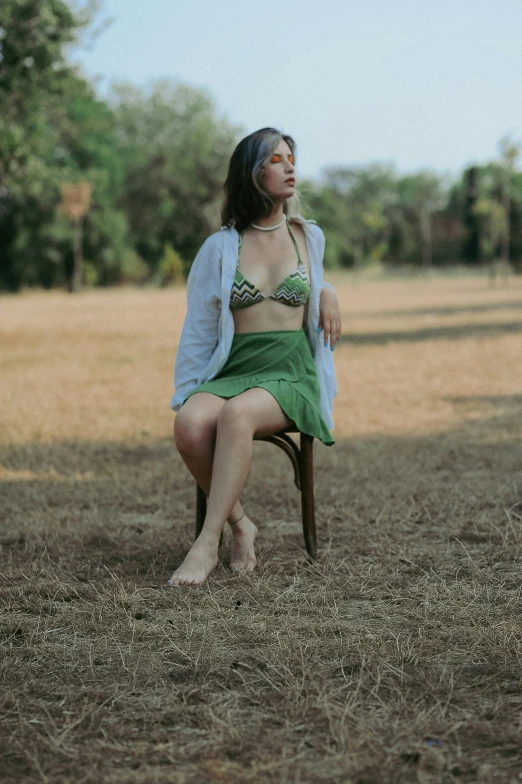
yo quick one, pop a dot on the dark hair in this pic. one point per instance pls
(246, 200)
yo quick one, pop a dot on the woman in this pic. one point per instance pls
(251, 361)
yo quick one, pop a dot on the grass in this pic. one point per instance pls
(393, 658)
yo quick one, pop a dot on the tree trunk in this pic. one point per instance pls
(76, 281)
(425, 228)
(506, 232)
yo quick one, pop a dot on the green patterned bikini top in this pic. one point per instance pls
(293, 291)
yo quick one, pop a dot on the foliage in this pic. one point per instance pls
(171, 266)
(133, 268)
(53, 130)
(157, 158)
(175, 151)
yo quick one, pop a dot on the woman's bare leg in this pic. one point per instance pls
(195, 436)
(254, 412)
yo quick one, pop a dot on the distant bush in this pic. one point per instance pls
(170, 269)
(90, 273)
(133, 269)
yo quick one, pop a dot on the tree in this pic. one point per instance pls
(422, 194)
(359, 207)
(32, 71)
(175, 151)
(509, 151)
(33, 77)
(76, 200)
(52, 130)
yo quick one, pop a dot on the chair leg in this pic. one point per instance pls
(201, 509)
(201, 512)
(307, 494)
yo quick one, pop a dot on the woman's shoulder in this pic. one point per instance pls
(308, 224)
(301, 220)
(214, 240)
(308, 227)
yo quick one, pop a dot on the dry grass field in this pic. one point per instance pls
(396, 657)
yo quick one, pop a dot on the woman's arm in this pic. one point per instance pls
(199, 335)
(329, 315)
(329, 310)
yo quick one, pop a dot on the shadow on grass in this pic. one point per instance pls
(131, 506)
(451, 310)
(491, 401)
(450, 332)
(402, 638)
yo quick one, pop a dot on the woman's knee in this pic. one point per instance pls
(193, 429)
(236, 414)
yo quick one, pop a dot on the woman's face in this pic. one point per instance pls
(279, 174)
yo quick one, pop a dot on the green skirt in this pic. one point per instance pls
(281, 362)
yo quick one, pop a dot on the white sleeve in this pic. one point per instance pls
(199, 336)
(321, 239)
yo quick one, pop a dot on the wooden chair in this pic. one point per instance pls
(302, 460)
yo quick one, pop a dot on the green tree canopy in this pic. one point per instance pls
(175, 150)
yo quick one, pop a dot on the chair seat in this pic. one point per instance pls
(290, 429)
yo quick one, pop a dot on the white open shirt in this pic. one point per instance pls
(208, 330)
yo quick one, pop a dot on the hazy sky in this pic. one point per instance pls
(414, 84)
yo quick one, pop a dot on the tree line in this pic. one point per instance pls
(150, 164)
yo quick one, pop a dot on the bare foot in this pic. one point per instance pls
(242, 555)
(198, 563)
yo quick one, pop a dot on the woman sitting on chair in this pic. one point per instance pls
(251, 360)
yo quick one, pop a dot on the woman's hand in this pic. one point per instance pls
(329, 317)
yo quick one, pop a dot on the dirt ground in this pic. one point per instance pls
(395, 657)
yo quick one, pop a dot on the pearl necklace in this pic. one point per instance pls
(269, 228)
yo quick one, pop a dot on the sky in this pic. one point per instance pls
(415, 85)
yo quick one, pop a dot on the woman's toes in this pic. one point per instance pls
(196, 567)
